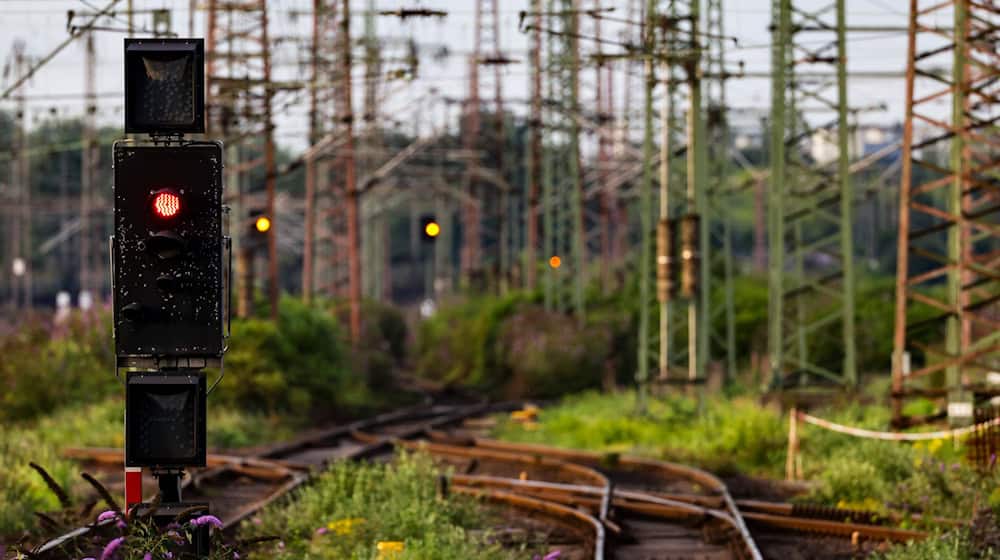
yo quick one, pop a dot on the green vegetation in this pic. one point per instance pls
(352, 508)
(727, 436)
(139, 538)
(293, 364)
(513, 347)
(738, 434)
(954, 545)
(22, 490)
(60, 391)
(44, 368)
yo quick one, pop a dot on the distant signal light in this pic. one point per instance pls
(263, 224)
(166, 204)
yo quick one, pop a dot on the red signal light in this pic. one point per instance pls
(166, 204)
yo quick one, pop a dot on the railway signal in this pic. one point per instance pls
(430, 227)
(168, 271)
(169, 266)
(262, 224)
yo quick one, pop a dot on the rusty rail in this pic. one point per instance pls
(548, 507)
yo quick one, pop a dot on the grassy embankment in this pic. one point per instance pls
(60, 391)
(512, 347)
(736, 435)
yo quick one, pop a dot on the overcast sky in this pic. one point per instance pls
(42, 25)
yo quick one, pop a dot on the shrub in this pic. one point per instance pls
(951, 546)
(45, 367)
(511, 346)
(294, 364)
(549, 354)
(456, 346)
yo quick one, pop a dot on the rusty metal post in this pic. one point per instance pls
(948, 216)
(269, 167)
(535, 159)
(902, 239)
(350, 181)
(309, 235)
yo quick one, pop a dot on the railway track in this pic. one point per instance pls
(594, 505)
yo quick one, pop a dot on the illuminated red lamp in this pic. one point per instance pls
(166, 204)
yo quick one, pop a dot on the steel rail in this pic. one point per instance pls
(669, 469)
(271, 464)
(552, 508)
(602, 481)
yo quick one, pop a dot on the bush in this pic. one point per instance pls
(295, 364)
(45, 367)
(513, 347)
(383, 344)
(352, 507)
(547, 354)
(456, 346)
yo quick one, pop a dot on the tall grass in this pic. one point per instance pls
(22, 490)
(725, 436)
(352, 508)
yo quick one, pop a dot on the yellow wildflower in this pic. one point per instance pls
(389, 549)
(344, 526)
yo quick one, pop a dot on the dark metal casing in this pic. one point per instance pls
(164, 85)
(168, 274)
(165, 419)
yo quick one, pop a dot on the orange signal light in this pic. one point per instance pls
(555, 261)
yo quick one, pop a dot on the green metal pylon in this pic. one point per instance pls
(682, 197)
(645, 212)
(563, 185)
(718, 216)
(811, 203)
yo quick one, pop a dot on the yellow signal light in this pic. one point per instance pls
(555, 261)
(432, 229)
(263, 224)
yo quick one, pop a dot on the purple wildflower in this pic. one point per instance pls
(168, 555)
(207, 520)
(236, 555)
(105, 515)
(121, 524)
(993, 460)
(147, 556)
(553, 555)
(322, 531)
(113, 546)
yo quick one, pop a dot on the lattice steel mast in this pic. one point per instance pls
(949, 212)
(810, 202)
